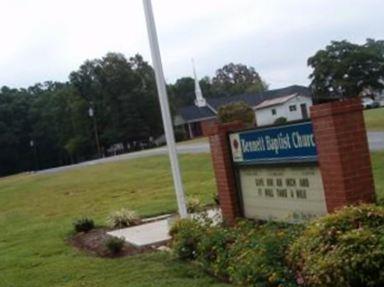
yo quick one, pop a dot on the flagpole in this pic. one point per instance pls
(164, 105)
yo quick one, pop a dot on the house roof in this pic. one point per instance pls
(275, 101)
(255, 99)
(193, 113)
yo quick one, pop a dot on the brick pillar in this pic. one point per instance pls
(224, 173)
(343, 153)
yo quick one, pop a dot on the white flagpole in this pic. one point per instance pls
(167, 122)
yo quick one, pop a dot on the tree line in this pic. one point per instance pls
(107, 102)
(112, 103)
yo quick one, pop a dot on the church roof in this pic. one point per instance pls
(193, 113)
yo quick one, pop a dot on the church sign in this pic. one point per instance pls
(277, 172)
(295, 171)
(280, 144)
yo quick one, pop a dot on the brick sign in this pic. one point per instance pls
(270, 186)
(282, 173)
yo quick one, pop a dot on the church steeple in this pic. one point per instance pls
(199, 100)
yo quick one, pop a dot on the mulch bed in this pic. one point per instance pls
(92, 242)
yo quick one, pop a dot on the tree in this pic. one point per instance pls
(236, 79)
(238, 111)
(344, 70)
(123, 95)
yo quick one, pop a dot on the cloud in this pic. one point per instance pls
(46, 40)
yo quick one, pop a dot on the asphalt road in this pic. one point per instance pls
(375, 140)
(181, 148)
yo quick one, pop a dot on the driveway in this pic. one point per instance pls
(375, 140)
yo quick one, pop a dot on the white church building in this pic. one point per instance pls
(291, 103)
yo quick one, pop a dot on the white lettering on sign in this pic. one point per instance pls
(291, 194)
(278, 143)
(303, 140)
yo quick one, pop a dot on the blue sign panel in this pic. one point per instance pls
(280, 144)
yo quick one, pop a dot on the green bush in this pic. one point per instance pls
(123, 218)
(342, 249)
(280, 121)
(247, 254)
(212, 250)
(239, 111)
(83, 224)
(256, 258)
(186, 235)
(114, 244)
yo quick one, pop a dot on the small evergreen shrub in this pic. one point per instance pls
(114, 244)
(83, 224)
(280, 121)
(342, 249)
(186, 235)
(123, 218)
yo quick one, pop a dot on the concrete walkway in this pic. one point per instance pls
(146, 234)
(157, 232)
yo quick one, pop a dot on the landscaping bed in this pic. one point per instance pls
(93, 243)
(343, 249)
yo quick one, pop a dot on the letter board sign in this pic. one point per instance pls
(280, 144)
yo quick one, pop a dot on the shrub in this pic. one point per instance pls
(114, 244)
(123, 218)
(186, 235)
(280, 121)
(256, 258)
(238, 111)
(212, 250)
(194, 205)
(346, 247)
(83, 224)
(247, 254)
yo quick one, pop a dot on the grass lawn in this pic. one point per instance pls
(378, 171)
(374, 119)
(36, 212)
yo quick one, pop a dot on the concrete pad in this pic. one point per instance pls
(146, 234)
(156, 232)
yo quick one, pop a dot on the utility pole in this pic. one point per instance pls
(33, 146)
(91, 114)
(163, 98)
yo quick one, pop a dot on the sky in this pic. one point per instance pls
(47, 39)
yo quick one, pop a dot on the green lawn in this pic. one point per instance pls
(374, 119)
(378, 171)
(36, 212)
